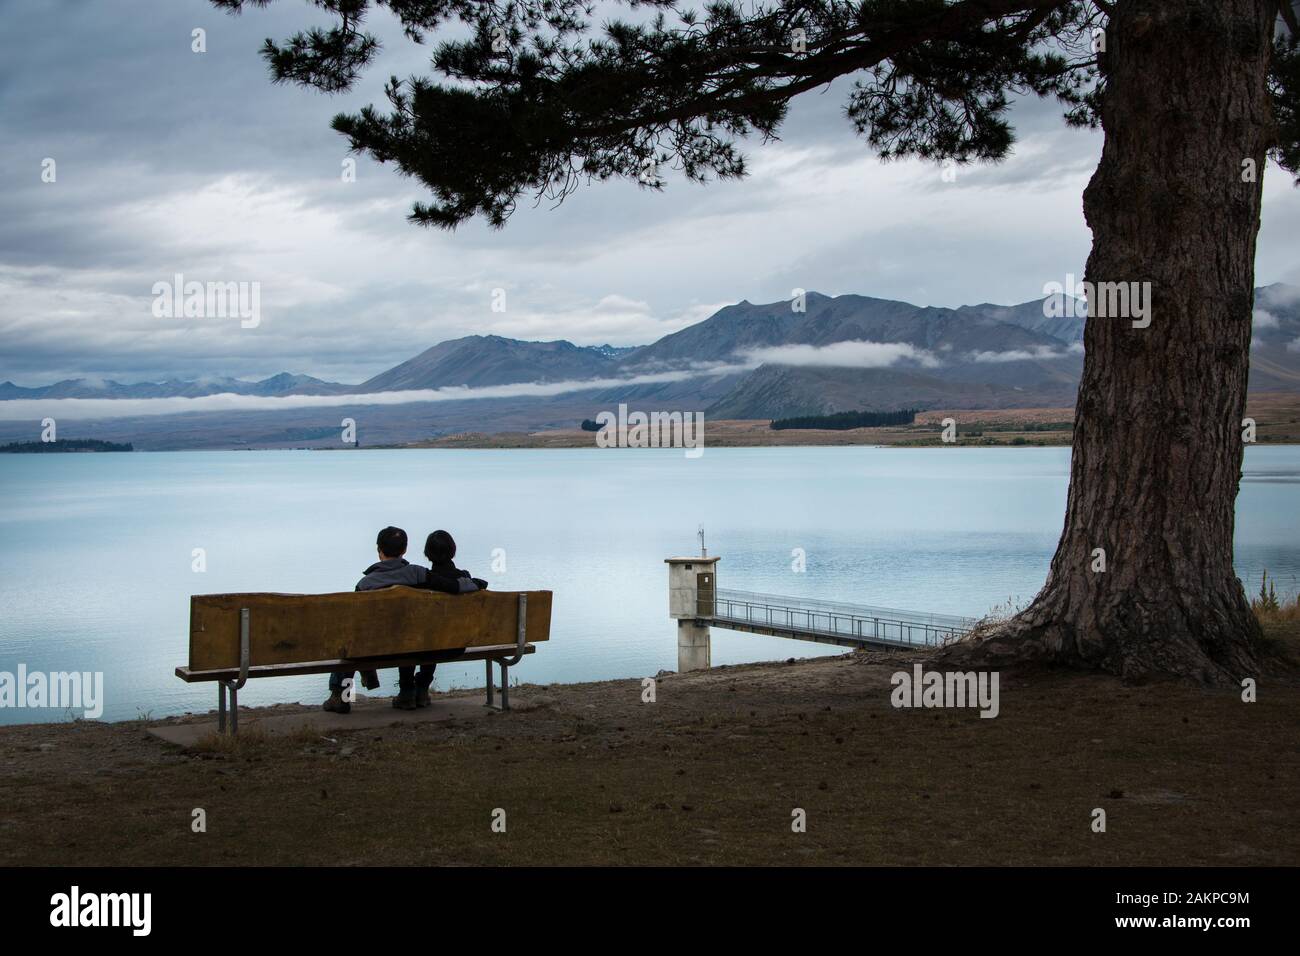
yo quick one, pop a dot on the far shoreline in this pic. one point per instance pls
(1276, 416)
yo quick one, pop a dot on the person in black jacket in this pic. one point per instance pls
(444, 576)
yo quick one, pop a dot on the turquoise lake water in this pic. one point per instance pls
(96, 550)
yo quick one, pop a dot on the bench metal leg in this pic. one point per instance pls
(231, 685)
(222, 687)
(505, 686)
(521, 640)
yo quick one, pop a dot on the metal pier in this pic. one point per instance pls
(827, 622)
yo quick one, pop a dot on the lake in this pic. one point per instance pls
(97, 566)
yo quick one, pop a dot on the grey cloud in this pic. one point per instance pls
(1022, 355)
(87, 409)
(171, 161)
(847, 354)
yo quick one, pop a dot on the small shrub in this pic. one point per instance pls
(1270, 609)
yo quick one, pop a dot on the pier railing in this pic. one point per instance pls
(829, 621)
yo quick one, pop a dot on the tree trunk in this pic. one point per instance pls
(1158, 439)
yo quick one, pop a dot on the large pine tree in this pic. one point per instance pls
(1192, 95)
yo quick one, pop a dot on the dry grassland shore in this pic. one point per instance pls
(1277, 416)
(710, 773)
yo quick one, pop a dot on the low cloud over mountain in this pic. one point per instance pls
(817, 355)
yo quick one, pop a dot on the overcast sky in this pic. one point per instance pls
(169, 161)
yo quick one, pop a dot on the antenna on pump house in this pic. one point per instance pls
(704, 552)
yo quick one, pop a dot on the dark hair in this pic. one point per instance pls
(440, 546)
(392, 542)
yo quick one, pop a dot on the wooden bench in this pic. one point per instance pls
(236, 637)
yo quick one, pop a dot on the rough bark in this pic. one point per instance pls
(1158, 425)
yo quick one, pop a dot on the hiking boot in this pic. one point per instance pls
(422, 682)
(336, 704)
(405, 699)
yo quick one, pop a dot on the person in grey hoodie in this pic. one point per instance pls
(390, 569)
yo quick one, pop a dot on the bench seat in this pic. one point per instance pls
(356, 663)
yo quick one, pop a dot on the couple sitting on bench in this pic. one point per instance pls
(393, 569)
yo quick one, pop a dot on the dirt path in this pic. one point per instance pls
(709, 773)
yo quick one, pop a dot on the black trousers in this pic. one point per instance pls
(407, 677)
(369, 679)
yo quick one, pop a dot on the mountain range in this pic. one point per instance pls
(817, 355)
(282, 384)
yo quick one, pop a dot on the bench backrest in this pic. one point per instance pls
(295, 628)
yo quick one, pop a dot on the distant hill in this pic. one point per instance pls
(480, 360)
(282, 384)
(746, 361)
(1030, 315)
(774, 391)
(720, 336)
(982, 356)
(1275, 344)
